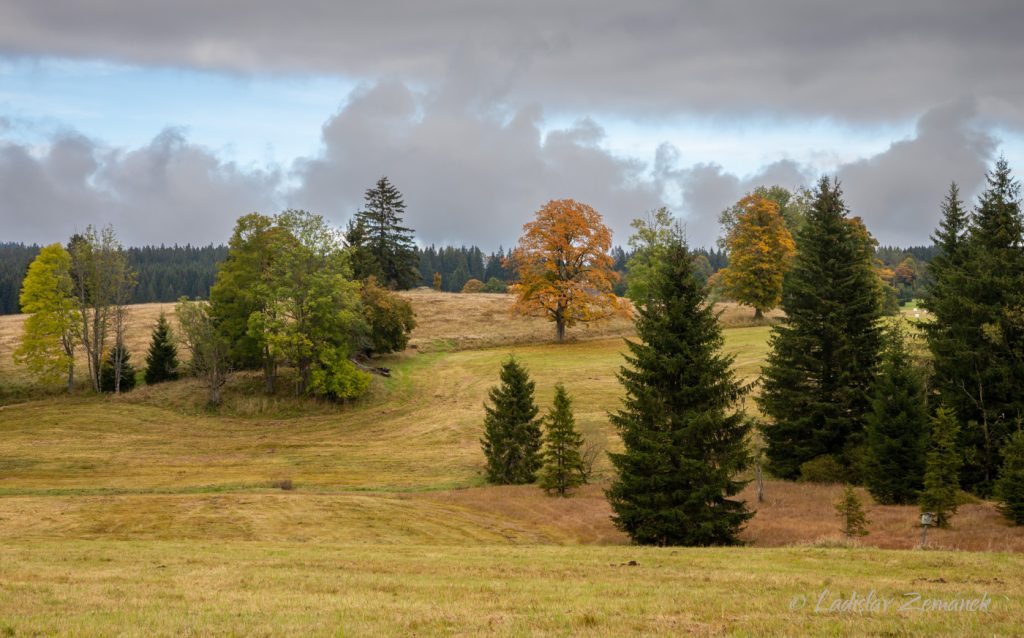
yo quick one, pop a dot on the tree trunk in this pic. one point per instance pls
(71, 376)
(758, 314)
(269, 373)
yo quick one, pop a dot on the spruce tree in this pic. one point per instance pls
(849, 508)
(512, 434)
(824, 353)
(162, 358)
(1009, 488)
(942, 468)
(976, 340)
(683, 431)
(381, 246)
(563, 467)
(896, 427)
(107, 377)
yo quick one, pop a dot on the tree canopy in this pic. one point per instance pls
(565, 271)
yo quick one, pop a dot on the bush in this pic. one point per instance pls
(473, 285)
(823, 469)
(390, 319)
(495, 285)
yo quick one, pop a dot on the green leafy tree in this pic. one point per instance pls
(896, 427)
(1009, 488)
(942, 468)
(849, 508)
(975, 340)
(162, 358)
(114, 380)
(382, 247)
(651, 237)
(512, 434)
(823, 355)
(236, 295)
(563, 466)
(50, 332)
(209, 348)
(683, 431)
(389, 317)
(299, 306)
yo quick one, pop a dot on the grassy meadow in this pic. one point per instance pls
(147, 514)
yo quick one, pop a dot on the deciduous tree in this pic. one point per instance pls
(102, 282)
(760, 249)
(209, 348)
(565, 271)
(50, 332)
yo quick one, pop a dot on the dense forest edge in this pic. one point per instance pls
(167, 273)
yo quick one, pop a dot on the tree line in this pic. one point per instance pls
(843, 397)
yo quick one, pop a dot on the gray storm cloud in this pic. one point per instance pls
(874, 59)
(467, 176)
(470, 174)
(165, 192)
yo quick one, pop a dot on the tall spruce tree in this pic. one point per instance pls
(512, 434)
(1009, 488)
(978, 287)
(683, 432)
(942, 468)
(896, 427)
(563, 466)
(162, 358)
(381, 246)
(824, 353)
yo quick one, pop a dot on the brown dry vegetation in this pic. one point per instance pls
(145, 514)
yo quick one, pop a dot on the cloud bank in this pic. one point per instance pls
(471, 171)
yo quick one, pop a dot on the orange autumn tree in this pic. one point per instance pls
(565, 271)
(760, 248)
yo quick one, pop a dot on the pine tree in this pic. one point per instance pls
(942, 468)
(684, 436)
(382, 246)
(824, 353)
(512, 434)
(1009, 488)
(896, 427)
(108, 379)
(563, 467)
(849, 508)
(162, 359)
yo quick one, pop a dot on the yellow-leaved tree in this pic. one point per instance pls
(760, 248)
(565, 271)
(50, 332)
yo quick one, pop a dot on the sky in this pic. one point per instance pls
(170, 120)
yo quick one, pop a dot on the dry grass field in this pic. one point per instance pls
(146, 514)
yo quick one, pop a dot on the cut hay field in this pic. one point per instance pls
(145, 514)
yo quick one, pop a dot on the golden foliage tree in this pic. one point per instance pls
(760, 248)
(565, 271)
